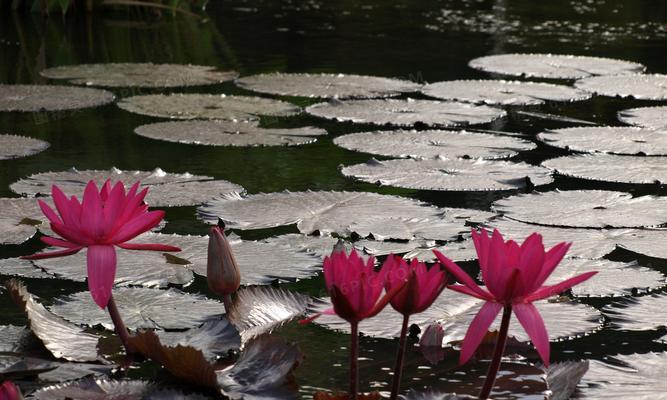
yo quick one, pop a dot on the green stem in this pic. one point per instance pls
(497, 354)
(354, 362)
(400, 356)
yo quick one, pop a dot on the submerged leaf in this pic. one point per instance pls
(639, 86)
(612, 168)
(647, 117)
(14, 146)
(18, 220)
(608, 139)
(45, 98)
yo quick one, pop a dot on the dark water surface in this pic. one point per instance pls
(426, 41)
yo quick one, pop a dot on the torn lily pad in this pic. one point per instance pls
(207, 106)
(42, 98)
(165, 189)
(339, 86)
(432, 144)
(637, 313)
(647, 117)
(19, 220)
(147, 75)
(554, 66)
(407, 113)
(639, 86)
(228, 133)
(450, 174)
(14, 146)
(611, 168)
(585, 209)
(505, 93)
(608, 139)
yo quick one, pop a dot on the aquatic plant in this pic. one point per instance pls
(9, 391)
(222, 273)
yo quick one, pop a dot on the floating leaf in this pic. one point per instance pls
(506, 93)
(585, 209)
(214, 338)
(608, 139)
(18, 220)
(44, 98)
(165, 189)
(431, 144)
(228, 133)
(146, 75)
(563, 378)
(612, 168)
(648, 117)
(455, 251)
(431, 395)
(140, 308)
(22, 268)
(338, 86)
(552, 117)
(207, 106)
(14, 146)
(640, 86)
(322, 246)
(450, 175)
(409, 228)
(65, 372)
(406, 113)
(11, 338)
(638, 313)
(378, 249)
(95, 389)
(649, 242)
(553, 66)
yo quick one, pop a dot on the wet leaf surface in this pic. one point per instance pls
(637, 313)
(455, 251)
(96, 389)
(432, 395)
(608, 139)
(11, 338)
(612, 168)
(409, 229)
(43, 98)
(649, 242)
(18, 220)
(640, 86)
(647, 117)
(14, 146)
(22, 268)
(563, 378)
(216, 337)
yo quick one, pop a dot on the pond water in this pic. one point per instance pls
(425, 41)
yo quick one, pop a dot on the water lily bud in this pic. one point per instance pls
(432, 336)
(222, 272)
(9, 391)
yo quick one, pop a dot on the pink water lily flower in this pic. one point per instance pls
(421, 284)
(514, 276)
(102, 220)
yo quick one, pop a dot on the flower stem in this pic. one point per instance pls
(227, 301)
(400, 356)
(497, 354)
(118, 324)
(354, 362)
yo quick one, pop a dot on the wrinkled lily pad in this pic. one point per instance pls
(70, 371)
(647, 117)
(450, 175)
(214, 338)
(228, 133)
(563, 378)
(640, 86)
(409, 228)
(18, 220)
(338, 86)
(432, 144)
(138, 75)
(165, 189)
(637, 313)
(22, 268)
(322, 246)
(406, 113)
(14, 146)
(140, 308)
(612, 168)
(34, 98)
(649, 242)
(585, 209)
(95, 389)
(455, 251)
(553, 66)
(11, 337)
(207, 106)
(506, 93)
(608, 139)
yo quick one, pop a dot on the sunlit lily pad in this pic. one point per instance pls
(106, 389)
(450, 174)
(22, 268)
(553, 66)
(506, 93)
(409, 228)
(608, 139)
(612, 168)
(640, 86)
(165, 189)
(649, 242)
(207, 106)
(11, 337)
(585, 209)
(140, 308)
(14, 146)
(320, 245)
(18, 220)
(216, 337)
(432, 395)
(34, 98)
(637, 313)
(647, 117)
(455, 251)
(338, 86)
(431, 144)
(406, 113)
(228, 133)
(147, 75)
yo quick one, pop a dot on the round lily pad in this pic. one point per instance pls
(611, 168)
(647, 117)
(608, 139)
(455, 251)
(639, 86)
(649, 242)
(406, 112)
(585, 209)
(506, 93)
(33, 98)
(13, 146)
(207, 106)
(228, 133)
(628, 376)
(409, 228)
(22, 268)
(431, 144)
(339, 86)
(146, 75)
(18, 220)
(638, 313)
(450, 174)
(553, 66)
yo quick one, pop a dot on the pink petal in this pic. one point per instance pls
(551, 260)
(48, 211)
(497, 269)
(481, 241)
(532, 323)
(460, 274)
(70, 215)
(71, 234)
(548, 291)
(92, 215)
(101, 273)
(137, 226)
(478, 328)
(466, 290)
(148, 246)
(53, 254)
(113, 207)
(531, 261)
(58, 242)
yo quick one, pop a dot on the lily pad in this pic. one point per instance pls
(11, 337)
(506, 93)
(339, 86)
(216, 337)
(19, 220)
(450, 174)
(409, 228)
(22, 268)
(321, 246)
(95, 389)
(612, 168)
(432, 144)
(228, 133)
(406, 112)
(553, 66)
(14, 146)
(647, 117)
(146, 75)
(140, 308)
(563, 378)
(608, 139)
(649, 242)
(585, 209)
(455, 251)
(207, 106)
(637, 313)
(165, 189)
(41, 98)
(640, 86)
